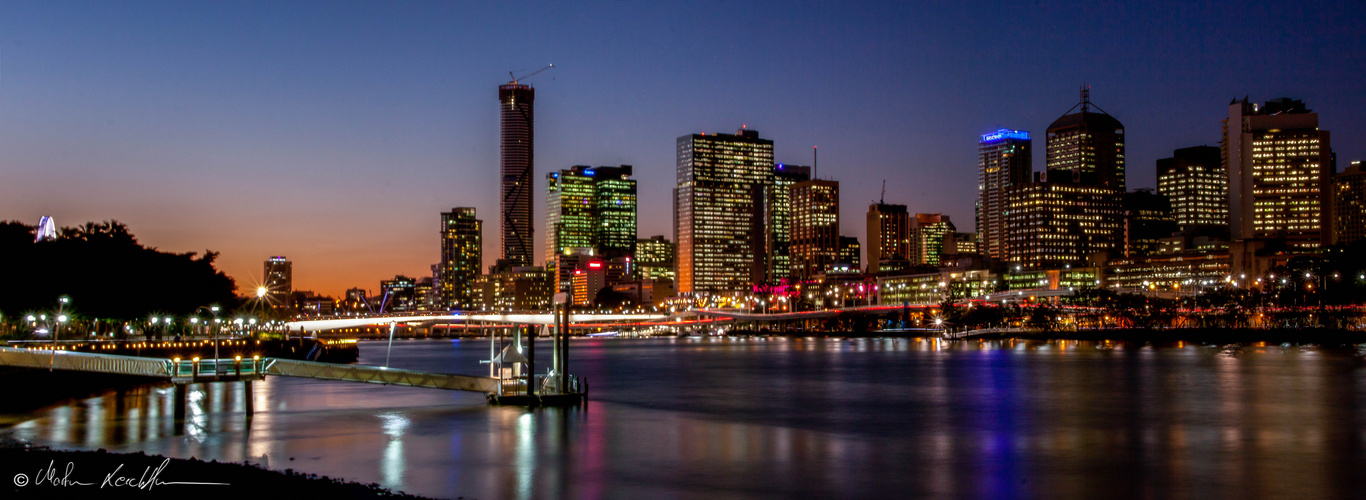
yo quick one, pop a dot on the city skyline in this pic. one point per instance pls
(111, 114)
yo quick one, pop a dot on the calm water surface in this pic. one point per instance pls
(784, 418)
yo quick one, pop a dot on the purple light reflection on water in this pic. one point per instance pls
(796, 417)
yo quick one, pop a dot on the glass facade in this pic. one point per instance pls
(1280, 173)
(1054, 224)
(1349, 204)
(1088, 147)
(889, 235)
(462, 244)
(779, 219)
(1195, 183)
(720, 184)
(655, 258)
(517, 165)
(929, 232)
(1003, 162)
(591, 207)
(815, 226)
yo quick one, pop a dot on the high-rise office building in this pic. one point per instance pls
(522, 288)
(719, 205)
(779, 219)
(1003, 162)
(815, 226)
(462, 244)
(655, 258)
(1280, 170)
(517, 166)
(591, 207)
(1147, 220)
(889, 237)
(616, 202)
(399, 294)
(425, 294)
(1051, 224)
(849, 253)
(962, 244)
(570, 213)
(928, 232)
(279, 281)
(1089, 146)
(1195, 183)
(1349, 204)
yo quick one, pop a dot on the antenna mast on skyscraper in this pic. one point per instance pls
(1085, 98)
(882, 198)
(814, 162)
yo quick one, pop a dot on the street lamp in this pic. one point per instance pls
(61, 318)
(214, 309)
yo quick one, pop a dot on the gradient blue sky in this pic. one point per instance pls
(335, 132)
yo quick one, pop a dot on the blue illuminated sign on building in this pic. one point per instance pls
(588, 172)
(1005, 134)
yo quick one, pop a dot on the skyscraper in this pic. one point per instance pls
(1349, 204)
(1280, 171)
(517, 167)
(719, 202)
(655, 258)
(1195, 183)
(591, 207)
(815, 226)
(849, 253)
(1003, 162)
(928, 232)
(779, 219)
(279, 281)
(1090, 146)
(461, 256)
(889, 237)
(615, 193)
(1147, 219)
(1052, 224)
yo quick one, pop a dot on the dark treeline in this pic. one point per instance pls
(106, 273)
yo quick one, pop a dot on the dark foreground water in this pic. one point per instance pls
(785, 418)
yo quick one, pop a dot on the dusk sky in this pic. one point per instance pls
(334, 133)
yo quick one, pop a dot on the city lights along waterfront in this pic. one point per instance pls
(798, 417)
(485, 277)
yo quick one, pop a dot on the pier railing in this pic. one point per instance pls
(378, 375)
(86, 362)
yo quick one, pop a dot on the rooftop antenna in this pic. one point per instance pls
(814, 162)
(1085, 98)
(883, 197)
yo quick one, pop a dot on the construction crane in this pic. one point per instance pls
(528, 75)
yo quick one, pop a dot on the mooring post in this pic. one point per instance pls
(564, 349)
(248, 401)
(181, 399)
(531, 360)
(555, 365)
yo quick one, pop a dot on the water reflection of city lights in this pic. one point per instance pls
(392, 464)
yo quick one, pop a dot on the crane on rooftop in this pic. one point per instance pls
(528, 75)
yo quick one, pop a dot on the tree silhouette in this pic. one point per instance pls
(106, 273)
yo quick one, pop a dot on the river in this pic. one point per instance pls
(796, 418)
